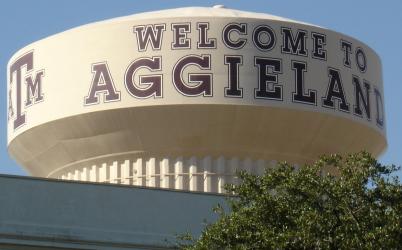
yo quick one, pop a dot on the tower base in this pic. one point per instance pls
(202, 174)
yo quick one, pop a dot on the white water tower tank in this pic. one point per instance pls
(181, 98)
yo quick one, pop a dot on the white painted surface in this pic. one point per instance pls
(63, 131)
(206, 174)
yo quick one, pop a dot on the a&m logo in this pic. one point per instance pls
(25, 88)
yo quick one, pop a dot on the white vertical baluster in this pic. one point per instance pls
(77, 175)
(193, 177)
(150, 172)
(232, 168)
(178, 170)
(114, 173)
(125, 173)
(207, 166)
(138, 173)
(220, 170)
(165, 173)
(85, 174)
(94, 174)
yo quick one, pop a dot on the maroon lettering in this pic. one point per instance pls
(233, 89)
(380, 119)
(149, 85)
(102, 83)
(268, 86)
(34, 88)
(149, 34)
(335, 92)
(295, 45)
(203, 41)
(24, 61)
(198, 84)
(241, 29)
(264, 37)
(180, 31)
(346, 47)
(300, 67)
(361, 98)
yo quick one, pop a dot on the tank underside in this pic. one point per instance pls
(184, 135)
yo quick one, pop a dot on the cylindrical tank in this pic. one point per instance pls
(182, 98)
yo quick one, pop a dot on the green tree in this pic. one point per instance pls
(350, 202)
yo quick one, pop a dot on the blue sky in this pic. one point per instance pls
(376, 23)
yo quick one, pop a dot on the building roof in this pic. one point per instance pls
(38, 212)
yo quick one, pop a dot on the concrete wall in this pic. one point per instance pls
(51, 214)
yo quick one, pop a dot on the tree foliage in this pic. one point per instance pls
(337, 202)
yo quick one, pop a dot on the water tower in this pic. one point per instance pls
(181, 98)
